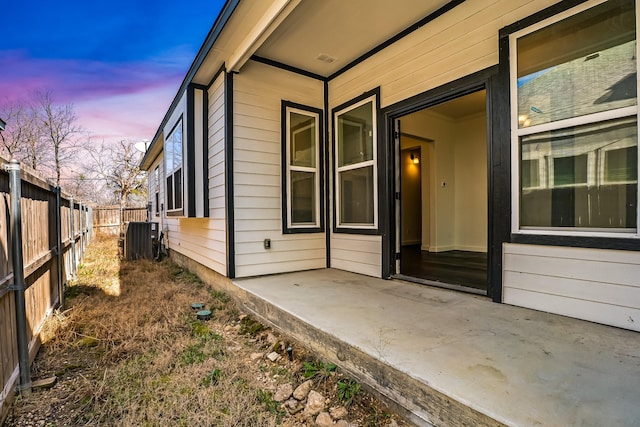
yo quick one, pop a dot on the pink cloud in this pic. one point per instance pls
(131, 116)
(112, 101)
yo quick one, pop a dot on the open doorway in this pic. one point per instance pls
(441, 217)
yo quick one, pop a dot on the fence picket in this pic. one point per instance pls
(46, 246)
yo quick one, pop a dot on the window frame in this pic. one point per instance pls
(288, 227)
(372, 97)
(170, 173)
(593, 118)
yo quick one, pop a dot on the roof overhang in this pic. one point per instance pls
(154, 150)
(325, 37)
(319, 38)
(3, 124)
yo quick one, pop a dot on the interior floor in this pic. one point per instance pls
(462, 268)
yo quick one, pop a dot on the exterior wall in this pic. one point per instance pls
(458, 43)
(217, 211)
(454, 45)
(357, 253)
(598, 285)
(204, 239)
(258, 92)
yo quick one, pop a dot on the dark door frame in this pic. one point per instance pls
(487, 80)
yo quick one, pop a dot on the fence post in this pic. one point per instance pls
(60, 247)
(18, 278)
(81, 229)
(72, 215)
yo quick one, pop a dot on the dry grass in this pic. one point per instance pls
(128, 350)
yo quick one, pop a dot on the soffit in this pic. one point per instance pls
(244, 17)
(341, 29)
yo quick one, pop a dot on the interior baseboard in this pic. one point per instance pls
(453, 248)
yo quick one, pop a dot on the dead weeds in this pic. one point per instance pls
(128, 350)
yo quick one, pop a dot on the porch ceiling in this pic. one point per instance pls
(340, 29)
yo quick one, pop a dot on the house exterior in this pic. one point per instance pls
(291, 141)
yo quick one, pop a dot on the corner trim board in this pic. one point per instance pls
(190, 167)
(228, 175)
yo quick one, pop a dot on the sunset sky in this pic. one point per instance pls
(120, 63)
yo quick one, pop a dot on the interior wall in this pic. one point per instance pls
(438, 226)
(411, 198)
(454, 180)
(471, 183)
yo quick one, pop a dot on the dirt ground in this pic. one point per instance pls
(128, 349)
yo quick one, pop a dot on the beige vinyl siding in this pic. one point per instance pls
(217, 210)
(357, 253)
(196, 238)
(258, 92)
(458, 43)
(593, 284)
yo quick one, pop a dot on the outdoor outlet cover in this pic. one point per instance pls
(267, 243)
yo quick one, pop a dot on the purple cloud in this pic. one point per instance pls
(112, 100)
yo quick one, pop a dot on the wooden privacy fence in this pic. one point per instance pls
(55, 232)
(113, 219)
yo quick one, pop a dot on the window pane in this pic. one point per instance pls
(303, 197)
(530, 173)
(356, 196)
(178, 189)
(170, 192)
(303, 140)
(177, 147)
(168, 155)
(621, 165)
(594, 172)
(570, 170)
(581, 65)
(355, 135)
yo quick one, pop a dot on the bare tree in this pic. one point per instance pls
(88, 188)
(119, 166)
(24, 137)
(60, 129)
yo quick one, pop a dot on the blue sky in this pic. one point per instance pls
(120, 63)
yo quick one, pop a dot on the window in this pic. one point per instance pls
(619, 165)
(173, 168)
(574, 122)
(356, 165)
(570, 170)
(302, 160)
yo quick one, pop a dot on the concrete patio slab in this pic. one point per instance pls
(450, 358)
